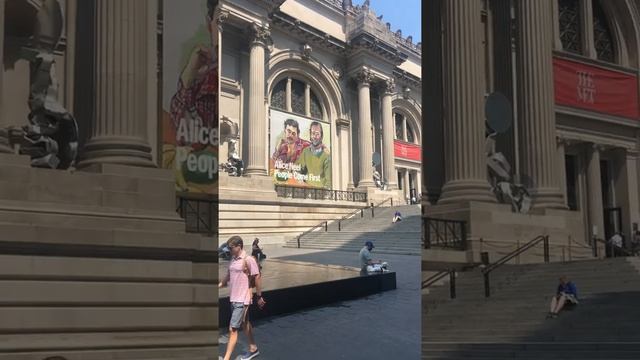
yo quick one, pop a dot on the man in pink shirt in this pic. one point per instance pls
(242, 267)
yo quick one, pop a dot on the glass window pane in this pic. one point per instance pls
(570, 25)
(399, 132)
(316, 108)
(410, 137)
(602, 34)
(278, 95)
(297, 97)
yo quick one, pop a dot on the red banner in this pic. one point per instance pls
(407, 151)
(593, 88)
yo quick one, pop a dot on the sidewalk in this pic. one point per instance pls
(381, 326)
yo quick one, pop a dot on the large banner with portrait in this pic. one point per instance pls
(300, 151)
(190, 95)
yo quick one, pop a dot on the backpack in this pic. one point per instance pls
(252, 279)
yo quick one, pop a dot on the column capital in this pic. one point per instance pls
(389, 86)
(632, 153)
(343, 123)
(597, 147)
(221, 19)
(260, 35)
(364, 77)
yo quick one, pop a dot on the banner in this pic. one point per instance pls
(593, 88)
(300, 151)
(190, 95)
(407, 151)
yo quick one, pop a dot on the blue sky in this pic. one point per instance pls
(402, 14)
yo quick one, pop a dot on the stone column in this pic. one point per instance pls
(256, 159)
(344, 155)
(4, 141)
(119, 122)
(627, 190)
(288, 96)
(407, 193)
(307, 100)
(465, 165)
(562, 168)
(365, 145)
(594, 190)
(586, 26)
(388, 131)
(536, 118)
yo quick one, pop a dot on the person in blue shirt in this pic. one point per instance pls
(566, 294)
(396, 217)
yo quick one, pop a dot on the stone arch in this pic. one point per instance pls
(291, 63)
(623, 21)
(326, 87)
(413, 113)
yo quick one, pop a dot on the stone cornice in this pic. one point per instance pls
(313, 35)
(368, 42)
(407, 78)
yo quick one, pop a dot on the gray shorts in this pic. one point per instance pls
(239, 314)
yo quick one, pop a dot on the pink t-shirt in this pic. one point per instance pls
(239, 281)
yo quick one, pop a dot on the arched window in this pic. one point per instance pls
(401, 125)
(299, 99)
(602, 34)
(570, 34)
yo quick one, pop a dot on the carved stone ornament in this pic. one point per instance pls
(389, 86)
(364, 77)
(260, 35)
(222, 19)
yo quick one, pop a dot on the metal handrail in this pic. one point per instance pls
(320, 194)
(438, 276)
(611, 247)
(361, 211)
(324, 224)
(485, 272)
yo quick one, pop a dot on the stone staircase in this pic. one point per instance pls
(512, 324)
(399, 238)
(96, 264)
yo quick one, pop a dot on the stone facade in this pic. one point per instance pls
(95, 261)
(579, 165)
(367, 82)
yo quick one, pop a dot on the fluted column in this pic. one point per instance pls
(365, 144)
(465, 165)
(536, 120)
(121, 61)
(388, 130)
(562, 169)
(256, 161)
(4, 141)
(594, 188)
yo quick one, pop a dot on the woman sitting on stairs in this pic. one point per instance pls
(567, 294)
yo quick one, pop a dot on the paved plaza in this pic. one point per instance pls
(380, 326)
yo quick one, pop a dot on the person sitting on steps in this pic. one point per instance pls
(567, 294)
(396, 217)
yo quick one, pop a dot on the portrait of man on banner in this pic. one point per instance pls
(301, 151)
(190, 116)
